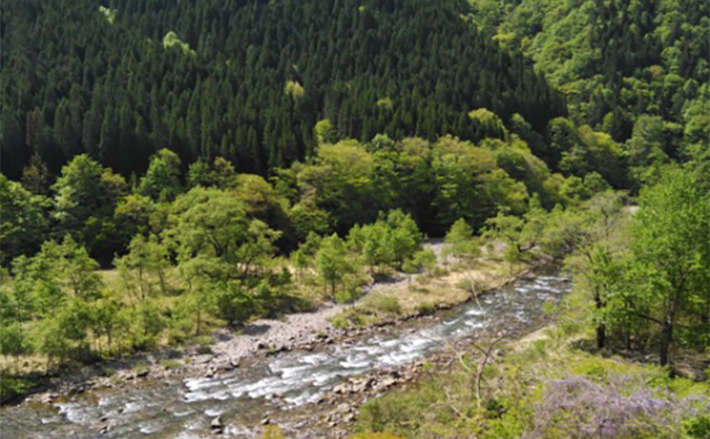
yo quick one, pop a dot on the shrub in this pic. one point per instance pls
(170, 363)
(399, 412)
(141, 368)
(272, 432)
(204, 344)
(382, 303)
(426, 308)
(352, 317)
(470, 285)
(348, 295)
(11, 389)
(698, 427)
(385, 435)
(579, 407)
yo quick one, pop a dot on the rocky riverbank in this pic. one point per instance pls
(261, 338)
(314, 391)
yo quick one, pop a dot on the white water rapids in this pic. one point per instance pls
(177, 408)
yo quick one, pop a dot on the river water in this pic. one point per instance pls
(184, 408)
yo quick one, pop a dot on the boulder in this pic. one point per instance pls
(217, 423)
(341, 388)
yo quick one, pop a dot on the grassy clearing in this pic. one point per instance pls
(446, 286)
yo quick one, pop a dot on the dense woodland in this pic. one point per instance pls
(172, 167)
(246, 81)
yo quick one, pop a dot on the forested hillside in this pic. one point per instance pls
(246, 80)
(635, 70)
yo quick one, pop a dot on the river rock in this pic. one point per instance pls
(202, 359)
(341, 388)
(386, 382)
(77, 390)
(217, 423)
(362, 384)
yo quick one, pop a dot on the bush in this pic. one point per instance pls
(12, 389)
(271, 432)
(141, 368)
(349, 318)
(170, 363)
(698, 427)
(348, 295)
(381, 303)
(399, 412)
(234, 304)
(425, 309)
(204, 344)
(472, 286)
(385, 435)
(579, 407)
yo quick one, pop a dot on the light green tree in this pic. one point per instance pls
(143, 269)
(332, 262)
(22, 222)
(462, 243)
(161, 181)
(670, 256)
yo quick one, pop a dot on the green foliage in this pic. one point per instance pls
(171, 40)
(422, 261)
(462, 243)
(272, 432)
(390, 241)
(384, 304)
(294, 90)
(487, 125)
(161, 180)
(14, 388)
(108, 13)
(220, 174)
(23, 220)
(400, 412)
(325, 132)
(331, 262)
(425, 309)
(669, 257)
(143, 270)
(360, 59)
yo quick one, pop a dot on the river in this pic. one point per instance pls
(292, 381)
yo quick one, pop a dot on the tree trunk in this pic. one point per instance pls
(601, 336)
(161, 277)
(601, 327)
(666, 338)
(199, 322)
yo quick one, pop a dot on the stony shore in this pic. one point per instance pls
(261, 338)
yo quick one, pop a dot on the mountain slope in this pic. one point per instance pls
(247, 80)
